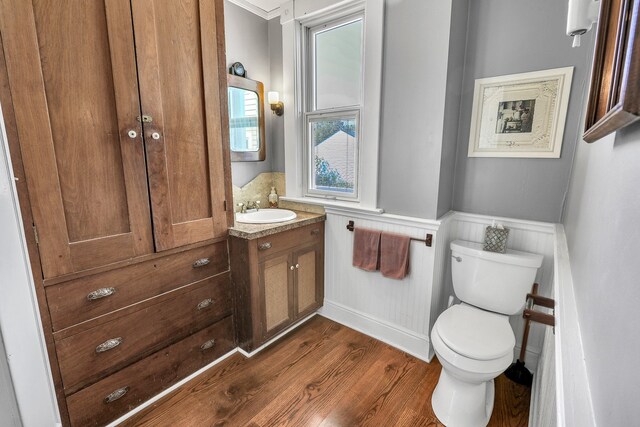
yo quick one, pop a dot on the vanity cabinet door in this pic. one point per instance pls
(276, 284)
(73, 83)
(309, 289)
(180, 57)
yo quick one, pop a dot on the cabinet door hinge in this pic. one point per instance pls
(35, 233)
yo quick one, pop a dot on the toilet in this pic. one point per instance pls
(473, 340)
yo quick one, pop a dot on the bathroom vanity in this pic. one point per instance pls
(277, 274)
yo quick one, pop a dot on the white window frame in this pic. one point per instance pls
(297, 16)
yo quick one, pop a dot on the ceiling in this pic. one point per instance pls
(266, 5)
(266, 9)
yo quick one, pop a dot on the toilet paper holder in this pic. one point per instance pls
(534, 299)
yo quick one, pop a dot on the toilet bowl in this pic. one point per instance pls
(473, 340)
(473, 347)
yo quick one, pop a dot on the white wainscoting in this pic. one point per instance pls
(398, 312)
(528, 236)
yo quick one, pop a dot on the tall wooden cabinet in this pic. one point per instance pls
(116, 115)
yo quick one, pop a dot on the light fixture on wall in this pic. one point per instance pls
(276, 105)
(581, 16)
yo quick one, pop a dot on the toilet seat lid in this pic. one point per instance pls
(475, 333)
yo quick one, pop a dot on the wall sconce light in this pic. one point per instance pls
(276, 105)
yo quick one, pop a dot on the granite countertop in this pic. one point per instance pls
(255, 231)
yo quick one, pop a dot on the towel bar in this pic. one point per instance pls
(428, 241)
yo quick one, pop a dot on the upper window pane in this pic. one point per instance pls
(338, 65)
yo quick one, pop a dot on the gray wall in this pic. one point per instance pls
(412, 119)
(277, 123)
(505, 37)
(455, 74)
(601, 222)
(9, 415)
(247, 41)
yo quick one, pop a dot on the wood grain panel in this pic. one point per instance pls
(176, 44)
(86, 176)
(68, 303)
(141, 332)
(322, 374)
(291, 239)
(149, 376)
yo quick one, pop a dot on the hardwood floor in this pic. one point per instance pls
(322, 374)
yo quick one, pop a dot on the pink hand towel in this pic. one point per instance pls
(394, 255)
(366, 249)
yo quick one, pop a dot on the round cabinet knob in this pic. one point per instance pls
(291, 268)
(132, 134)
(297, 265)
(155, 136)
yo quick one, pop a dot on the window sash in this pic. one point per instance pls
(309, 160)
(311, 114)
(310, 55)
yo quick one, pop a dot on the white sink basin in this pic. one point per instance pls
(266, 216)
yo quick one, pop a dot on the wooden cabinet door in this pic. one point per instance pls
(309, 280)
(180, 56)
(73, 83)
(276, 284)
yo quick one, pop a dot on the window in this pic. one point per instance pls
(333, 107)
(332, 61)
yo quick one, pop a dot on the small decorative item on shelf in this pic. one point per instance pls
(273, 198)
(495, 238)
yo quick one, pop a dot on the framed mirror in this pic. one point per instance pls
(246, 119)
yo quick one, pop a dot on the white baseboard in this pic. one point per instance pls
(415, 344)
(170, 389)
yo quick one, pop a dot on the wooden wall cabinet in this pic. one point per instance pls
(278, 281)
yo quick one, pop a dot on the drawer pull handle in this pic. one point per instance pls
(101, 293)
(112, 397)
(201, 262)
(109, 345)
(204, 303)
(315, 232)
(264, 246)
(207, 345)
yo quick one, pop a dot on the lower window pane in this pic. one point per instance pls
(334, 155)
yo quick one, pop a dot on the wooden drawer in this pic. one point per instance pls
(286, 240)
(155, 325)
(69, 302)
(149, 376)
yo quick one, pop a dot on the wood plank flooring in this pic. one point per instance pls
(322, 374)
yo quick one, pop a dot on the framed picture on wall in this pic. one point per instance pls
(520, 115)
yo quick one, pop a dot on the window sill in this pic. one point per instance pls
(355, 207)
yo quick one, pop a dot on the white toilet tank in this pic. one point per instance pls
(492, 281)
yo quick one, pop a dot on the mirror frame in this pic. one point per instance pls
(258, 88)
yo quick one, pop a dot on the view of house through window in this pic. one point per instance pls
(334, 106)
(334, 155)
